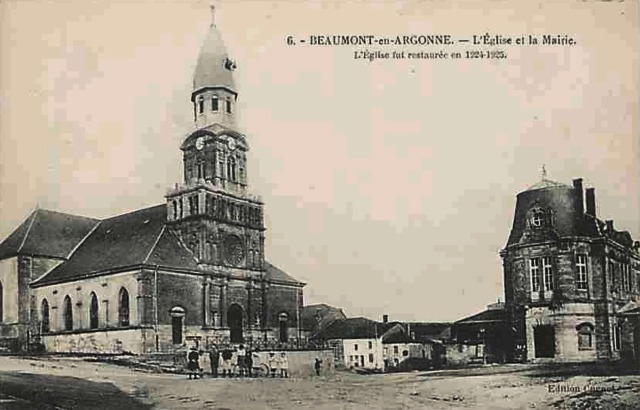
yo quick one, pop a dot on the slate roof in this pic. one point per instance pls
(318, 316)
(486, 316)
(135, 238)
(210, 69)
(47, 233)
(275, 274)
(355, 328)
(547, 183)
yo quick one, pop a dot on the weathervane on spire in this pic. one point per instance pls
(543, 172)
(212, 7)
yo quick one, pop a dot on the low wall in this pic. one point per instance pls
(117, 341)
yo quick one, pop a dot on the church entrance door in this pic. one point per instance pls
(544, 341)
(234, 321)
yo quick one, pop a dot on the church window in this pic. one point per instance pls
(231, 169)
(221, 168)
(200, 170)
(67, 313)
(93, 312)
(123, 308)
(229, 105)
(283, 319)
(175, 209)
(214, 103)
(581, 267)
(585, 336)
(44, 315)
(617, 336)
(200, 105)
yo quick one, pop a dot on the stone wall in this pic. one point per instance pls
(114, 341)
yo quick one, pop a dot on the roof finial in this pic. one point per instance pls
(543, 173)
(212, 7)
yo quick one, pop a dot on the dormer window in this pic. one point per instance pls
(215, 106)
(537, 218)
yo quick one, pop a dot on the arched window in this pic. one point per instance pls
(123, 308)
(200, 105)
(231, 169)
(283, 320)
(93, 312)
(67, 313)
(177, 317)
(585, 336)
(214, 103)
(44, 315)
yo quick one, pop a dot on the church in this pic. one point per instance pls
(190, 269)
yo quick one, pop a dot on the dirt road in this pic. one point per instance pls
(502, 387)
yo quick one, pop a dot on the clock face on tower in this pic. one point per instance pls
(233, 250)
(199, 143)
(231, 143)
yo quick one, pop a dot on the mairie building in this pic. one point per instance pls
(572, 280)
(193, 267)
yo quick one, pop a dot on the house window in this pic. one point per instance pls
(581, 266)
(93, 312)
(370, 357)
(355, 347)
(214, 103)
(541, 272)
(548, 274)
(67, 313)
(123, 308)
(405, 353)
(395, 350)
(370, 345)
(585, 336)
(44, 313)
(534, 271)
(200, 105)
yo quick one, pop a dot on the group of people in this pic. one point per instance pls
(231, 362)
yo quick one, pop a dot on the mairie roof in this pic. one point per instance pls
(47, 234)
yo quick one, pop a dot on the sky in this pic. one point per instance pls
(389, 185)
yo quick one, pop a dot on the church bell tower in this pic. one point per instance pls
(212, 210)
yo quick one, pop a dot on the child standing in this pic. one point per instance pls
(284, 365)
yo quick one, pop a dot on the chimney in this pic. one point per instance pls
(591, 201)
(609, 225)
(385, 318)
(577, 185)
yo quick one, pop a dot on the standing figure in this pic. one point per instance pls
(317, 366)
(248, 361)
(273, 363)
(214, 359)
(284, 365)
(193, 365)
(241, 353)
(226, 362)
